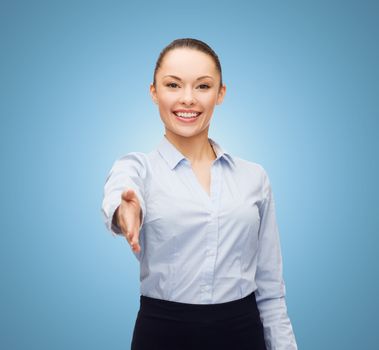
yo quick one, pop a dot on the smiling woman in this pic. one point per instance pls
(187, 86)
(200, 221)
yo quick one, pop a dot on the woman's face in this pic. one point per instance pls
(187, 82)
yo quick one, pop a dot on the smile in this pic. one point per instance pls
(187, 117)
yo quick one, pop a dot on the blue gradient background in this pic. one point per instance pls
(302, 100)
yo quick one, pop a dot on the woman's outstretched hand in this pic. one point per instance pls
(129, 218)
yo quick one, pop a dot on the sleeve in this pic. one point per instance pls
(127, 172)
(271, 291)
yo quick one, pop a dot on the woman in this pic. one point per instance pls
(200, 221)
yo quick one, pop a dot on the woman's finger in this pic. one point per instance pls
(136, 247)
(135, 239)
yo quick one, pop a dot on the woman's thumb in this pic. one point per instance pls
(128, 195)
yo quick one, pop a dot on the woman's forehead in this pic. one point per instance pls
(180, 61)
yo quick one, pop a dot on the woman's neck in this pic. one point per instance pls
(196, 149)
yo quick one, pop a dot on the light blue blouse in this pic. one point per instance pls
(203, 249)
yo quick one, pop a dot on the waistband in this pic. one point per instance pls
(182, 312)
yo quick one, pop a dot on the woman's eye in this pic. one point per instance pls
(173, 85)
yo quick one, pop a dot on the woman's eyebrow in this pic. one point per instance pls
(199, 78)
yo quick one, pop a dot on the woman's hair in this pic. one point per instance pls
(192, 44)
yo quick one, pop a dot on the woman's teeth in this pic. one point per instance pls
(187, 115)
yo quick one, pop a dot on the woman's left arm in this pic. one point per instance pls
(271, 291)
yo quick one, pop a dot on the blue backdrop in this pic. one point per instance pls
(302, 100)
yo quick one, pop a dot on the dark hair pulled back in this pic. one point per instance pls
(192, 44)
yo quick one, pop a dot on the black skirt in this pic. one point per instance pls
(169, 325)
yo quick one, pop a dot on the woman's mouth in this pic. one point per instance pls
(187, 117)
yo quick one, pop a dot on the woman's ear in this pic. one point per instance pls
(221, 94)
(153, 93)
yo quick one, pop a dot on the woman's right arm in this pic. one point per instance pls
(128, 172)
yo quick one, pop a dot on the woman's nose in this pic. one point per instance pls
(187, 96)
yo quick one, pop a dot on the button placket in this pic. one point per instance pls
(211, 237)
